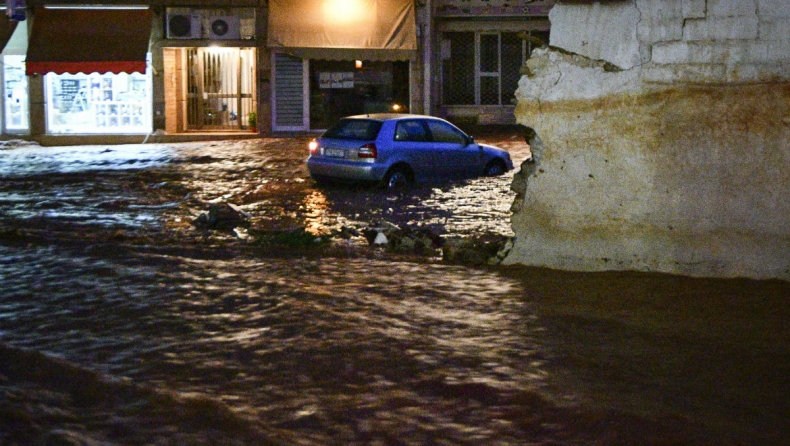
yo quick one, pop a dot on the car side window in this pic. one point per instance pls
(356, 129)
(444, 132)
(412, 131)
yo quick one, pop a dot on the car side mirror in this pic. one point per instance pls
(470, 140)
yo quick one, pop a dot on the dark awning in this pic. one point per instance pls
(88, 41)
(7, 28)
(344, 29)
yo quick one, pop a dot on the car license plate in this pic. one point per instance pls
(337, 153)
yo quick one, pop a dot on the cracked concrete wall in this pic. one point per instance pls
(663, 140)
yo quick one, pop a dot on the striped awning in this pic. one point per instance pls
(88, 41)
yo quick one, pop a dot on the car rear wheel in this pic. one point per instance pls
(495, 168)
(397, 178)
(322, 180)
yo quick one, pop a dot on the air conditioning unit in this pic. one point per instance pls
(184, 26)
(224, 27)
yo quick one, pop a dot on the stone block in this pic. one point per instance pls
(694, 9)
(746, 73)
(659, 12)
(778, 51)
(721, 28)
(731, 8)
(671, 53)
(651, 32)
(578, 28)
(730, 52)
(775, 28)
(773, 8)
(660, 21)
(685, 73)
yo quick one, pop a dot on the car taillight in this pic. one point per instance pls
(367, 151)
(313, 146)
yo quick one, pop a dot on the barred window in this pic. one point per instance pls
(458, 68)
(483, 68)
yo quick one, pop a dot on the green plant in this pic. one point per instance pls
(252, 120)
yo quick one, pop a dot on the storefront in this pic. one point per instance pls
(209, 60)
(336, 58)
(100, 83)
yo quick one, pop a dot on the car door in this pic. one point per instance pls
(412, 144)
(456, 151)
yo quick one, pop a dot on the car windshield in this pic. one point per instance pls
(357, 129)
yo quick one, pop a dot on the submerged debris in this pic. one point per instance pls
(15, 143)
(223, 216)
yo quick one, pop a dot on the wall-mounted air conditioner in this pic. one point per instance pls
(224, 27)
(184, 26)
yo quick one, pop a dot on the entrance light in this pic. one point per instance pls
(348, 12)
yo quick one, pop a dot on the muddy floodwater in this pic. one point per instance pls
(122, 322)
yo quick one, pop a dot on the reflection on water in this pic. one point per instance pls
(35, 160)
(143, 186)
(315, 209)
(323, 348)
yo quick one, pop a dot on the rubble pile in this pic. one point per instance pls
(485, 249)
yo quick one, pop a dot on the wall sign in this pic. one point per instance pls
(336, 80)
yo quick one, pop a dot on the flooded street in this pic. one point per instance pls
(123, 323)
(148, 187)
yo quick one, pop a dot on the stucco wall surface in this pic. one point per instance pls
(664, 146)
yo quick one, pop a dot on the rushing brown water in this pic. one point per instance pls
(156, 332)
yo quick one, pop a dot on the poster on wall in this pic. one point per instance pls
(70, 96)
(327, 80)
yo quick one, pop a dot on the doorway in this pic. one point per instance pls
(313, 94)
(211, 89)
(344, 88)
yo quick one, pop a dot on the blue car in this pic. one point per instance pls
(397, 149)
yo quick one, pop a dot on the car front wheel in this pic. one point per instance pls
(495, 168)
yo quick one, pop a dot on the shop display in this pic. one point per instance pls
(98, 103)
(15, 93)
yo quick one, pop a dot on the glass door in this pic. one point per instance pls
(220, 88)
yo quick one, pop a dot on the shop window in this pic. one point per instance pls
(15, 95)
(483, 68)
(98, 103)
(345, 88)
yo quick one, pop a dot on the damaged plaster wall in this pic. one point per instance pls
(663, 140)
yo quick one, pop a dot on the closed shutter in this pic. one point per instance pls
(289, 93)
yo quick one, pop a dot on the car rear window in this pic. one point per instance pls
(357, 129)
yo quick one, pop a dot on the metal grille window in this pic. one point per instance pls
(483, 68)
(220, 88)
(458, 68)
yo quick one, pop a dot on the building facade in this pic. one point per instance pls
(125, 70)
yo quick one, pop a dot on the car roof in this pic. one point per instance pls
(390, 116)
